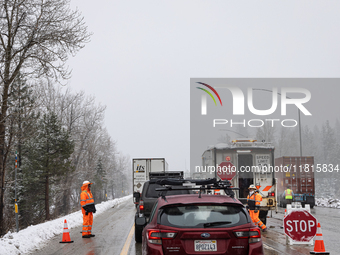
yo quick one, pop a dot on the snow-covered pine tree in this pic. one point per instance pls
(46, 158)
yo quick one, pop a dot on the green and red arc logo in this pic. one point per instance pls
(212, 89)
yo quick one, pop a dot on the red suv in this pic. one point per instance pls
(200, 224)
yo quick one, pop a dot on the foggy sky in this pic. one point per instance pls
(143, 53)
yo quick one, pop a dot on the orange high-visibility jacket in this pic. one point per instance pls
(254, 201)
(86, 199)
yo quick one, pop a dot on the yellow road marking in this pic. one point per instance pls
(126, 247)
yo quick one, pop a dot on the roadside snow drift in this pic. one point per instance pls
(28, 239)
(328, 202)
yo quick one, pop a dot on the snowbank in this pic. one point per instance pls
(327, 202)
(30, 238)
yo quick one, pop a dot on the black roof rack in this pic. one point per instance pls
(154, 176)
(191, 184)
(180, 182)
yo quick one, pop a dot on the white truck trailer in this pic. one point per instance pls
(250, 162)
(141, 167)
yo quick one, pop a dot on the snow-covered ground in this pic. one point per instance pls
(327, 202)
(31, 238)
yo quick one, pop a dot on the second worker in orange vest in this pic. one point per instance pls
(87, 208)
(254, 200)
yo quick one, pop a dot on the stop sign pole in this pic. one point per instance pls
(300, 226)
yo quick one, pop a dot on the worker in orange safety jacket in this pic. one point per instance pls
(87, 208)
(254, 199)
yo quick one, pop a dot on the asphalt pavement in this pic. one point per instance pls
(114, 235)
(329, 219)
(111, 229)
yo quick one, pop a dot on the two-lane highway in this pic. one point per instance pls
(114, 232)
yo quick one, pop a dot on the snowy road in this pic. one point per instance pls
(111, 229)
(329, 218)
(113, 226)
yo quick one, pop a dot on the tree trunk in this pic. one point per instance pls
(2, 177)
(66, 195)
(2, 154)
(65, 208)
(47, 206)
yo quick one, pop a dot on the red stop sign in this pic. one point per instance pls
(300, 226)
(226, 171)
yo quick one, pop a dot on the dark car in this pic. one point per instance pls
(148, 198)
(200, 224)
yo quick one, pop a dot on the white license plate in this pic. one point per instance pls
(205, 245)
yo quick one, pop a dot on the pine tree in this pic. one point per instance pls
(337, 130)
(328, 144)
(99, 181)
(308, 142)
(287, 143)
(21, 116)
(46, 159)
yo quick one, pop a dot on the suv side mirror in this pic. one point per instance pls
(141, 221)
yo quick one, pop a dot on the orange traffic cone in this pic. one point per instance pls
(319, 246)
(66, 235)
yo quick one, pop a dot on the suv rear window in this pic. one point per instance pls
(152, 193)
(203, 216)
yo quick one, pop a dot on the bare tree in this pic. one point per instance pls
(266, 133)
(36, 38)
(95, 156)
(83, 119)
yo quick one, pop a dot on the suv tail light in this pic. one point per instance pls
(141, 205)
(155, 236)
(272, 194)
(253, 234)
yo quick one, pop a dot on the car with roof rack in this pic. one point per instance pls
(149, 196)
(199, 223)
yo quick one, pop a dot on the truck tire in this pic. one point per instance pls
(138, 234)
(263, 217)
(310, 201)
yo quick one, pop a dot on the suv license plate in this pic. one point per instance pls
(205, 245)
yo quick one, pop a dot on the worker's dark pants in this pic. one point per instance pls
(289, 201)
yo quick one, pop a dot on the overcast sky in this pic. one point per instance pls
(143, 53)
